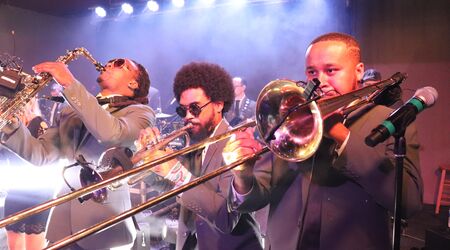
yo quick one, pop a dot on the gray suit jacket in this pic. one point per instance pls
(88, 129)
(216, 227)
(349, 196)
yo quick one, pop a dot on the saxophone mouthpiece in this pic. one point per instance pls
(100, 67)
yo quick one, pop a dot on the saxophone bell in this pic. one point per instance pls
(112, 162)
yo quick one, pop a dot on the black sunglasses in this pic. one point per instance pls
(193, 108)
(117, 63)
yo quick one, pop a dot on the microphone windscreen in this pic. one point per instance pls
(428, 95)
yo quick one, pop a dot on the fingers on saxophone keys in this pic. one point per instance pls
(47, 66)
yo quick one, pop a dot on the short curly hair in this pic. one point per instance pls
(351, 43)
(212, 78)
(143, 81)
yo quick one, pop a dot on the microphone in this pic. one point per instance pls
(54, 98)
(399, 119)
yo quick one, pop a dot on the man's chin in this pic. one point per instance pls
(197, 134)
(195, 130)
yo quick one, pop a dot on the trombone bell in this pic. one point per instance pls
(292, 127)
(300, 132)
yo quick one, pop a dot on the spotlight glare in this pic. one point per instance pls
(208, 2)
(100, 11)
(239, 3)
(178, 3)
(153, 5)
(127, 8)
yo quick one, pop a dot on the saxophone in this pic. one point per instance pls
(31, 85)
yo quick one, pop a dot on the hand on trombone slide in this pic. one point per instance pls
(241, 144)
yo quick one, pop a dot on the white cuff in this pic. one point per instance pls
(237, 198)
(340, 149)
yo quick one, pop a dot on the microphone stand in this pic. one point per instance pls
(399, 153)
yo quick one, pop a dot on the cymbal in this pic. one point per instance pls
(162, 115)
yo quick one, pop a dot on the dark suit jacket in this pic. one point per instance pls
(349, 198)
(215, 226)
(247, 110)
(88, 129)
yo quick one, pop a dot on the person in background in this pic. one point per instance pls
(342, 196)
(28, 233)
(242, 108)
(391, 97)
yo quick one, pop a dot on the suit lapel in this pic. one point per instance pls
(84, 132)
(77, 131)
(211, 151)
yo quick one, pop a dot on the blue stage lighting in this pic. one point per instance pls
(152, 5)
(207, 2)
(178, 3)
(100, 11)
(239, 3)
(127, 8)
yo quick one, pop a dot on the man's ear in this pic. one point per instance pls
(133, 85)
(219, 106)
(359, 70)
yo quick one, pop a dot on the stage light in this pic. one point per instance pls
(153, 5)
(207, 2)
(127, 8)
(178, 3)
(100, 11)
(238, 2)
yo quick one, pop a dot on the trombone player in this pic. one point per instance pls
(340, 198)
(88, 128)
(205, 92)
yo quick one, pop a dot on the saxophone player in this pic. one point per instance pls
(87, 128)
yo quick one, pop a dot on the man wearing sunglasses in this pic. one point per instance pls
(88, 128)
(205, 92)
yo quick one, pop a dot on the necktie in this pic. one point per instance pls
(236, 108)
(196, 166)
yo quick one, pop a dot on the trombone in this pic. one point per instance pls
(159, 145)
(291, 125)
